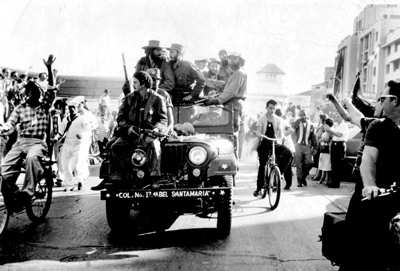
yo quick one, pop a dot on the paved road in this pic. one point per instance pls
(76, 236)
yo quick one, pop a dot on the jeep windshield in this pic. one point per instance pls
(201, 116)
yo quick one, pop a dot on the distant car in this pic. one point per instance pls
(197, 175)
(352, 147)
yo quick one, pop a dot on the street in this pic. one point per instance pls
(76, 235)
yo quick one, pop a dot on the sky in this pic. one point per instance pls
(88, 36)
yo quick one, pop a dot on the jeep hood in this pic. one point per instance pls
(220, 144)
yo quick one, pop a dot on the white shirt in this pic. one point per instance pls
(44, 84)
(342, 128)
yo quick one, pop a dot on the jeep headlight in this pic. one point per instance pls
(197, 155)
(138, 158)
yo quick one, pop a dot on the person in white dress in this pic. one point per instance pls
(74, 155)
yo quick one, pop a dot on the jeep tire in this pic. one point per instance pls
(118, 215)
(224, 216)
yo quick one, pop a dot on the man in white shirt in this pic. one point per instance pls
(339, 134)
(271, 126)
(42, 81)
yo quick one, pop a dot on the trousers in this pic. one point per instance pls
(284, 159)
(303, 161)
(337, 162)
(33, 149)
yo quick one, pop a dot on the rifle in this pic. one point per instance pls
(125, 72)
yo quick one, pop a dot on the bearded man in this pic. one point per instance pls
(189, 81)
(224, 71)
(156, 59)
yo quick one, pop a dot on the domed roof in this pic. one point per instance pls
(271, 69)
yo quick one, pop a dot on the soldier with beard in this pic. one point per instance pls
(189, 81)
(155, 59)
(224, 71)
(213, 80)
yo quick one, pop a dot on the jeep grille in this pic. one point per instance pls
(173, 158)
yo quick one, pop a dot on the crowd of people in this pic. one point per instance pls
(303, 144)
(35, 123)
(72, 130)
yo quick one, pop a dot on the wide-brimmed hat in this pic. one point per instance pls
(76, 101)
(153, 44)
(176, 46)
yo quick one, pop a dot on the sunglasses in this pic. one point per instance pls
(383, 98)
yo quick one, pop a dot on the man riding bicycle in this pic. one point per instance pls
(271, 126)
(31, 118)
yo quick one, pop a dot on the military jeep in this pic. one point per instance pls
(197, 173)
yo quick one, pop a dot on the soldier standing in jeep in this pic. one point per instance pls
(234, 94)
(186, 74)
(155, 59)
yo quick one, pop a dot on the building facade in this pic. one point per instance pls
(391, 50)
(366, 51)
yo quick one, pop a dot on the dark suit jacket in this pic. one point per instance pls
(147, 113)
(311, 140)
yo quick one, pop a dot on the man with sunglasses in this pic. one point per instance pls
(369, 221)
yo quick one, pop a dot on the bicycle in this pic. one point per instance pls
(272, 178)
(39, 205)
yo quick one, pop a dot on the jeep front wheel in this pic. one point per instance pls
(117, 213)
(224, 216)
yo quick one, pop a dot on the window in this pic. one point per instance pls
(396, 64)
(396, 46)
(374, 71)
(364, 76)
(387, 68)
(388, 51)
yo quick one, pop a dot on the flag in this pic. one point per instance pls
(338, 74)
(361, 104)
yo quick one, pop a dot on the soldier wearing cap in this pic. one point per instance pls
(156, 59)
(186, 75)
(143, 109)
(225, 70)
(201, 64)
(156, 76)
(234, 94)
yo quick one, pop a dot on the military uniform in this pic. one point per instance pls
(147, 112)
(234, 94)
(186, 75)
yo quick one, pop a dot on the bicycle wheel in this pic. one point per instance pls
(4, 215)
(274, 187)
(41, 200)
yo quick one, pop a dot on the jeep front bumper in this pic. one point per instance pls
(165, 194)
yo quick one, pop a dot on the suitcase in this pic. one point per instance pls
(334, 236)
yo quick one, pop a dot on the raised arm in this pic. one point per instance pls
(48, 63)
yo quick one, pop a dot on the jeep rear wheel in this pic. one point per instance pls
(224, 218)
(117, 215)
